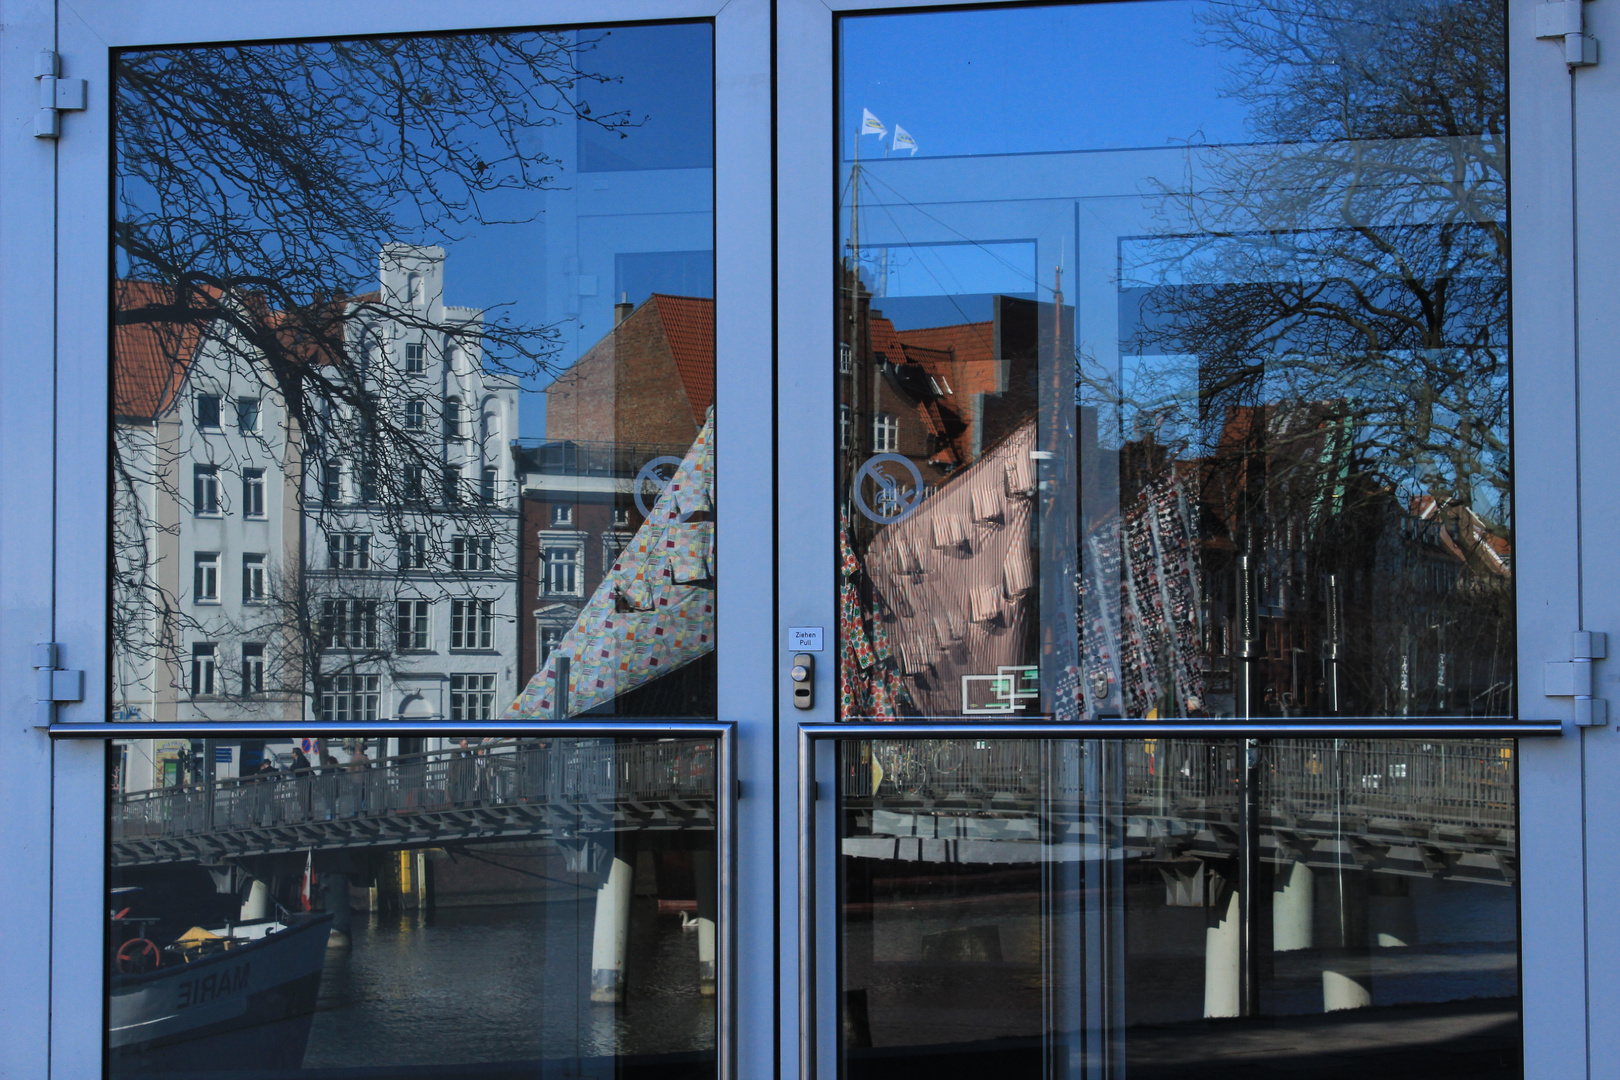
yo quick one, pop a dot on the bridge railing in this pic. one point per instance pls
(591, 774)
(1467, 783)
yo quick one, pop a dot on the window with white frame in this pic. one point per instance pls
(562, 514)
(348, 551)
(208, 409)
(332, 482)
(205, 490)
(416, 415)
(472, 624)
(550, 637)
(846, 362)
(621, 517)
(247, 415)
(451, 484)
(253, 493)
(411, 624)
(472, 697)
(415, 483)
(351, 698)
(415, 358)
(843, 427)
(472, 552)
(252, 669)
(561, 570)
(205, 577)
(349, 624)
(413, 550)
(885, 433)
(253, 578)
(489, 485)
(204, 669)
(455, 421)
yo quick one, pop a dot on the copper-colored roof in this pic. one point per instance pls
(150, 359)
(688, 323)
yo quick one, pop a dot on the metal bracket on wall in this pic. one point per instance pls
(1566, 19)
(54, 684)
(1572, 678)
(56, 95)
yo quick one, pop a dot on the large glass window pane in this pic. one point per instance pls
(1181, 392)
(1174, 909)
(460, 290)
(422, 907)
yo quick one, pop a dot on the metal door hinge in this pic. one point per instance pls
(1572, 678)
(54, 684)
(1566, 19)
(56, 95)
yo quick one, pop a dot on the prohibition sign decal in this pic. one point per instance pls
(649, 475)
(893, 507)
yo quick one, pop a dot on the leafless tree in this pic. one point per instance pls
(256, 186)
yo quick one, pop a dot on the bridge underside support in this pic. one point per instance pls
(1223, 957)
(1293, 904)
(703, 873)
(612, 932)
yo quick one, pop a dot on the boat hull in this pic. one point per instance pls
(253, 1003)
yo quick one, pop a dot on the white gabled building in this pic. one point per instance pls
(262, 577)
(414, 557)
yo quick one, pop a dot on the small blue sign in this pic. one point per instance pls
(222, 754)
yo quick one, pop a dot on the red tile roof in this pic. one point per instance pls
(150, 359)
(688, 323)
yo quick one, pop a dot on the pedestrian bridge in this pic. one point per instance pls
(1438, 809)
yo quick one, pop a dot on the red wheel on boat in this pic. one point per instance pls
(137, 955)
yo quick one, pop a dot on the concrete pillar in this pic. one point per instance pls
(257, 904)
(707, 888)
(1223, 958)
(1391, 918)
(612, 933)
(1347, 984)
(336, 900)
(1293, 904)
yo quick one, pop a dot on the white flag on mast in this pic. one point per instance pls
(904, 141)
(871, 125)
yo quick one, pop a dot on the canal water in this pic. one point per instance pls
(462, 986)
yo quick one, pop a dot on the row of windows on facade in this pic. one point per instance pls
(344, 551)
(454, 487)
(346, 698)
(358, 624)
(562, 515)
(207, 495)
(354, 624)
(210, 408)
(343, 697)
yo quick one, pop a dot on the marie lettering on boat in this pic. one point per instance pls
(197, 991)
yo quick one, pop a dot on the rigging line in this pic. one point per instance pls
(948, 295)
(975, 243)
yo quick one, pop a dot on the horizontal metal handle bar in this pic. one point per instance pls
(1156, 729)
(232, 729)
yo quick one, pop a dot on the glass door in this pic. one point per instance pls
(1172, 712)
(415, 750)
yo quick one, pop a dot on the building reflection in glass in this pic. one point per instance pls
(1229, 435)
(1173, 908)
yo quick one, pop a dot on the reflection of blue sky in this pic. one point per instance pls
(932, 269)
(1023, 80)
(525, 256)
